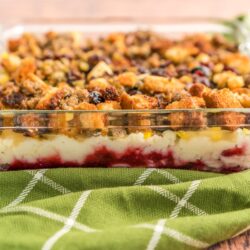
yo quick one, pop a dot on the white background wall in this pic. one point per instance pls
(20, 9)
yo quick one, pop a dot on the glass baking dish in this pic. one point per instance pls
(202, 139)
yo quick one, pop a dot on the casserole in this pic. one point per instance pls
(203, 124)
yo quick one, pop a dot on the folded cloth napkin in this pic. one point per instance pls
(121, 208)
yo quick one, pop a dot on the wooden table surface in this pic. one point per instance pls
(14, 10)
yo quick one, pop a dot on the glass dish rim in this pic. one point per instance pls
(125, 111)
(95, 25)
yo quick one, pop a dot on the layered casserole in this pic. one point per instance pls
(135, 99)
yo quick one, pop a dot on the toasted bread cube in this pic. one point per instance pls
(127, 79)
(65, 98)
(227, 120)
(198, 89)
(191, 119)
(180, 54)
(223, 98)
(158, 84)
(13, 44)
(90, 120)
(243, 95)
(60, 123)
(241, 91)
(228, 79)
(139, 122)
(85, 106)
(10, 62)
(187, 103)
(238, 61)
(235, 82)
(50, 100)
(155, 84)
(187, 120)
(26, 68)
(110, 94)
(100, 70)
(138, 101)
(108, 105)
(98, 83)
(30, 124)
(33, 85)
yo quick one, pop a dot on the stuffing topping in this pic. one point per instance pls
(135, 70)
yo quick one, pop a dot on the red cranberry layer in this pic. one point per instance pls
(134, 157)
(233, 151)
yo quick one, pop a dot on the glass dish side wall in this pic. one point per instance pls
(190, 139)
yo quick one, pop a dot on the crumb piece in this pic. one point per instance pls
(63, 98)
(243, 95)
(33, 85)
(180, 54)
(187, 103)
(101, 69)
(138, 101)
(198, 89)
(137, 122)
(223, 98)
(26, 68)
(90, 120)
(13, 44)
(127, 79)
(30, 124)
(110, 94)
(158, 84)
(98, 83)
(188, 119)
(228, 79)
(237, 61)
(10, 62)
(227, 120)
(13, 100)
(108, 105)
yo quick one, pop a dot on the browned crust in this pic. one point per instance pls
(138, 70)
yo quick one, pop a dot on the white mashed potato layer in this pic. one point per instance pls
(206, 146)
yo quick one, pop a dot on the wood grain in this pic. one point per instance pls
(14, 10)
(241, 242)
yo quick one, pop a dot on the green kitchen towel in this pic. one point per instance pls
(121, 208)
